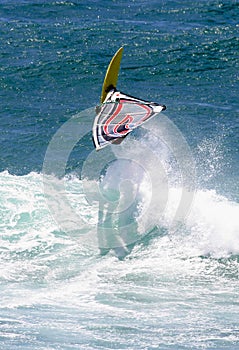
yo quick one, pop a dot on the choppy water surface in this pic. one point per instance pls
(177, 288)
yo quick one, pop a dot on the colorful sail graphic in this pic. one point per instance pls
(119, 115)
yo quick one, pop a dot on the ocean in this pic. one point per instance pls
(135, 246)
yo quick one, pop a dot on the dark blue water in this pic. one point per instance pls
(177, 289)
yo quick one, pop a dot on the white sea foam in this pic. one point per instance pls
(26, 224)
(50, 275)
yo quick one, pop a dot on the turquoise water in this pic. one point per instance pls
(176, 284)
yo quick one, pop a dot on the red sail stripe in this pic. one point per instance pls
(128, 118)
(107, 123)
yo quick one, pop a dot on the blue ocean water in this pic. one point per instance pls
(177, 288)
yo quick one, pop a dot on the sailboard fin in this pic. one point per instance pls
(111, 76)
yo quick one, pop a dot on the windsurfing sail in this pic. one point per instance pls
(119, 115)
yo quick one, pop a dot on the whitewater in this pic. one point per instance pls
(55, 284)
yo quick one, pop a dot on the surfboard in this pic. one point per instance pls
(111, 76)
